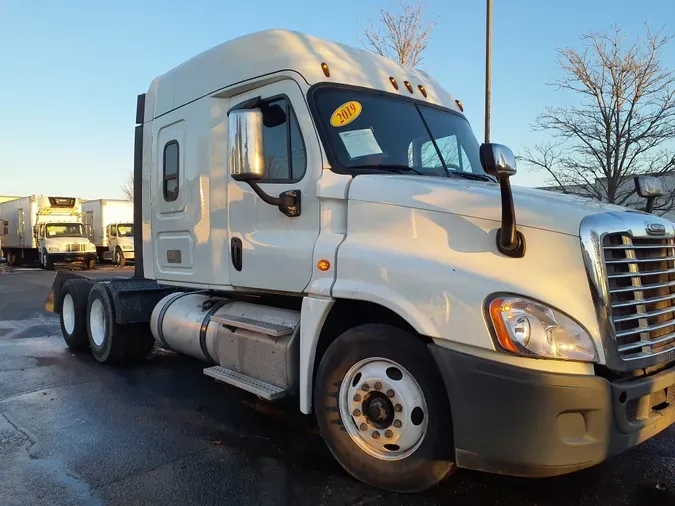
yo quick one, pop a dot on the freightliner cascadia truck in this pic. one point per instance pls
(316, 221)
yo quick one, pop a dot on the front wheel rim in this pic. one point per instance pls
(97, 322)
(383, 409)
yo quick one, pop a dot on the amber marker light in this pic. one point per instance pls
(424, 92)
(460, 105)
(393, 83)
(498, 310)
(323, 265)
(326, 70)
(408, 85)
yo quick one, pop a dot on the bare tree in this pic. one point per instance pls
(127, 187)
(621, 124)
(402, 37)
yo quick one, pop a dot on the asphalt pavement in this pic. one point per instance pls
(75, 432)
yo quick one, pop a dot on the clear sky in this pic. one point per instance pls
(70, 70)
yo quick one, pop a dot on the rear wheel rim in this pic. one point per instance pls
(383, 409)
(68, 313)
(97, 322)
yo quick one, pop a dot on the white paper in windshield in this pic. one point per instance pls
(360, 143)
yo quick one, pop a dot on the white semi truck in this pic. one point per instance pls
(320, 222)
(111, 226)
(48, 229)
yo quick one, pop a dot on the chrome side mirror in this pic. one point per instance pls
(246, 155)
(245, 145)
(648, 187)
(499, 161)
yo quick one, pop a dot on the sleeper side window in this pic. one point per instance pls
(170, 171)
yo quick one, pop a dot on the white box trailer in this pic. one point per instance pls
(110, 225)
(45, 228)
(320, 222)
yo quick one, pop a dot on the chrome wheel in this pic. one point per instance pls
(97, 322)
(68, 313)
(383, 409)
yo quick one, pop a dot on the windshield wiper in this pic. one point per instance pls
(471, 175)
(388, 167)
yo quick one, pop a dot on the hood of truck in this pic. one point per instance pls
(534, 208)
(125, 241)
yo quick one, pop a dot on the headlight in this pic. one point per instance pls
(91, 247)
(530, 328)
(52, 248)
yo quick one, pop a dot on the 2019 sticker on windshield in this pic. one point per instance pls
(346, 113)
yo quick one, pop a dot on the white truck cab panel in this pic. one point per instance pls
(321, 221)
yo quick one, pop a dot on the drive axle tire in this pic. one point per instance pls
(73, 314)
(383, 411)
(109, 341)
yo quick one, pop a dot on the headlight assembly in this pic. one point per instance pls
(530, 328)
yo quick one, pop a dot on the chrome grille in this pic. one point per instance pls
(641, 279)
(76, 247)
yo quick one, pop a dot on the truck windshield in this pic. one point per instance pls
(125, 229)
(65, 230)
(369, 130)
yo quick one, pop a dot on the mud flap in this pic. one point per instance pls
(53, 304)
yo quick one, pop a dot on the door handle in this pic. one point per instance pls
(236, 251)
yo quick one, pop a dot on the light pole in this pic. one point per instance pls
(488, 66)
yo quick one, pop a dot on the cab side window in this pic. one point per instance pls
(284, 149)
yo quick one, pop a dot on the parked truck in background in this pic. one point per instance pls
(47, 229)
(111, 228)
(320, 222)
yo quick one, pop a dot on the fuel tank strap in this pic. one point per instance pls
(205, 326)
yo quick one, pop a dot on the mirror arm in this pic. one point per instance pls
(510, 242)
(649, 207)
(288, 202)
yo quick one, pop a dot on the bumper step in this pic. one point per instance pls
(255, 386)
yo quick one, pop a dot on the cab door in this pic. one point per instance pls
(269, 250)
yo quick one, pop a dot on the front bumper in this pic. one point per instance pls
(75, 256)
(523, 422)
(128, 255)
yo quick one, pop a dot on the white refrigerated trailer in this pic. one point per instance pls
(48, 229)
(319, 222)
(111, 228)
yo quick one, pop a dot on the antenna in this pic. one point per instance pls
(488, 67)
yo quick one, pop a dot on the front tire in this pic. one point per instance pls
(383, 411)
(109, 341)
(73, 314)
(47, 263)
(120, 261)
(90, 264)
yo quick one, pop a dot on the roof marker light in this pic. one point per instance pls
(408, 85)
(326, 70)
(460, 105)
(424, 92)
(394, 83)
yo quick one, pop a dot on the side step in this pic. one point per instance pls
(241, 322)
(252, 385)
